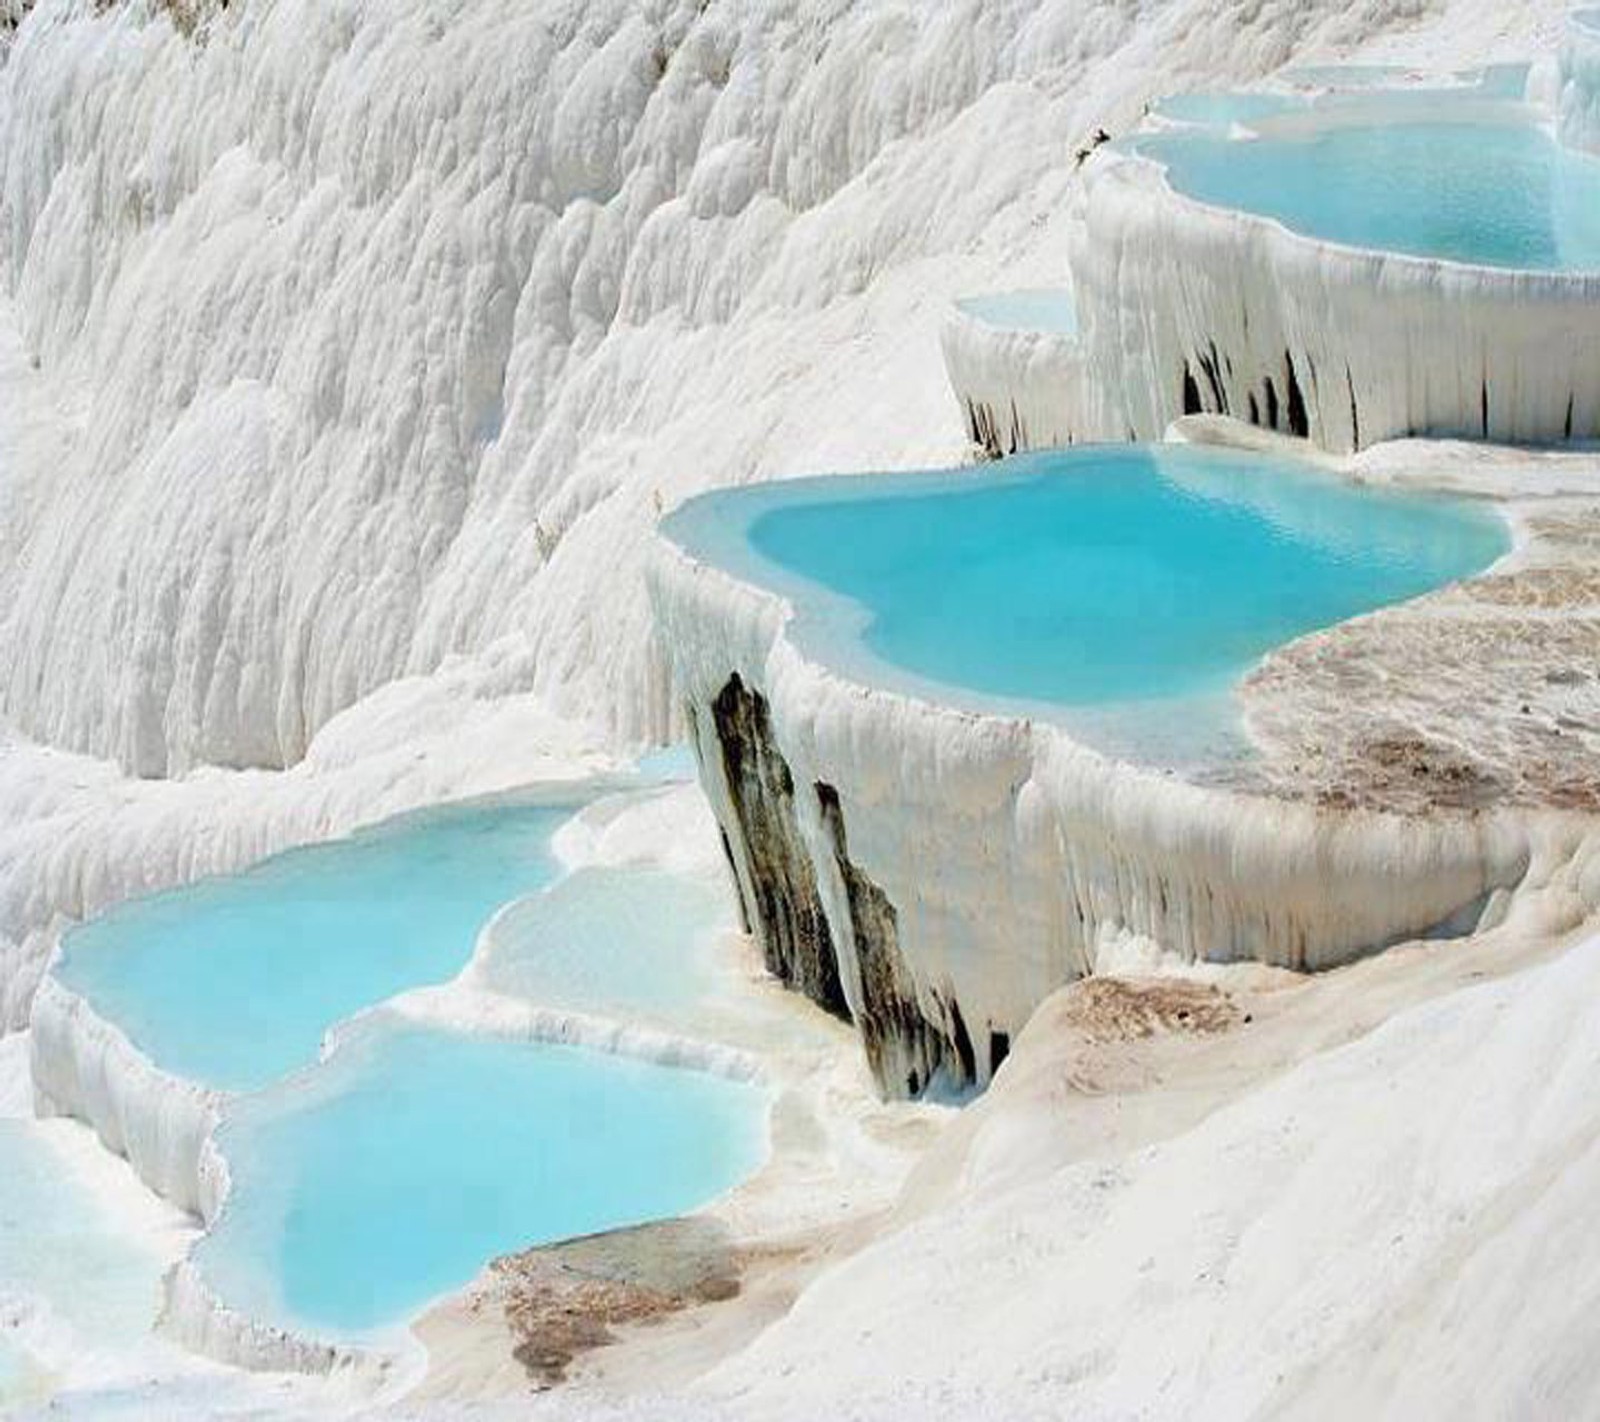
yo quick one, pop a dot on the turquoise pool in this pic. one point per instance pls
(233, 981)
(1108, 577)
(1049, 309)
(390, 1175)
(1220, 108)
(1499, 194)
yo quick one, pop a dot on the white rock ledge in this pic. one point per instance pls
(951, 869)
(196, 1318)
(85, 1067)
(1193, 309)
(1018, 389)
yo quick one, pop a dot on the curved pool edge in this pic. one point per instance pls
(936, 872)
(389, 1357)
(196, 1318)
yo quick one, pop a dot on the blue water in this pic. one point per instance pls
(392, 1175)
(1500, 194)
(1037, 309)
(233, 981)
(1087, 577)
(1343, 76)
(1220, 109)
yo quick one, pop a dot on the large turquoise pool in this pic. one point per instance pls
(1498, 194)
(233, 981)
(390, 1175)
(1105, 577)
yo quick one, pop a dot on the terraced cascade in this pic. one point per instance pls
(246, 1042)
(233, 981)
(1481, 193)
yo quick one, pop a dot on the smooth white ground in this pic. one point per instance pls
(1397, 1228)
(371, 338)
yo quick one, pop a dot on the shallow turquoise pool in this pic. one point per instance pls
(1049, 309)
(1221, 108)
(392, 1174)
(233, 981)
(616, 942)
(1106, 577)
(1499, 194)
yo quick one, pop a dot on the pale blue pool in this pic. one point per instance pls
(1498, 194)
(233, 981)
(613, 941)
(393, 1173)
(1219, 108)
(1049, 309)
(1095, 577)
(66, 1260)
(1343, 76)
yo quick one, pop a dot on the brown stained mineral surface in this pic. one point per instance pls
(561, 1301)
(1486, 693)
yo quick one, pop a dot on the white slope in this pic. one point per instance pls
(1396, 1228)
(390, 326)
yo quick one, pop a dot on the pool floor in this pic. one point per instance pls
(363, 1186)
(612, 941)
(65, 1260)
(1051, 310)
(394, 1173)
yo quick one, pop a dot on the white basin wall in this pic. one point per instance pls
(1009, 855)
(1192, 309)
(85, 1067)
(1018, 390)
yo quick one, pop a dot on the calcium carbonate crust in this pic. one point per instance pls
(1578, 80)
(385, 329)
(84, 1066)
(194, 1316)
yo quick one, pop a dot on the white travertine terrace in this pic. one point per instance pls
(1188, 308)
(1201, 310)
(86, 1067)
(967, 865)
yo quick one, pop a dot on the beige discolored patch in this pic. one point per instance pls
(1122, 1010)
(563, 1300)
